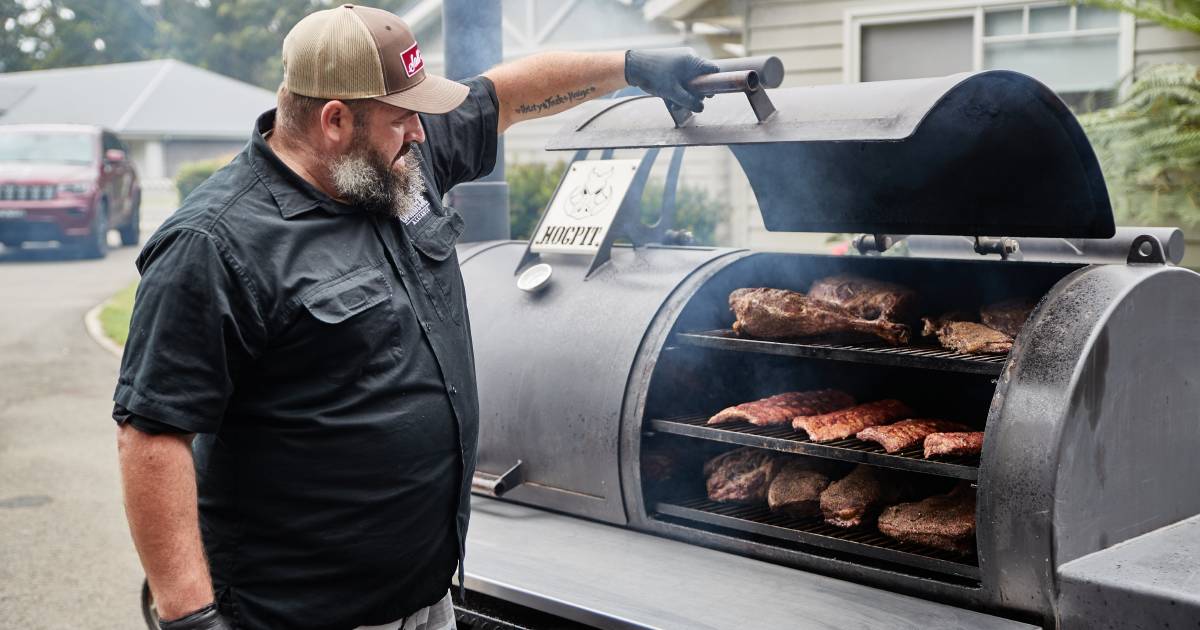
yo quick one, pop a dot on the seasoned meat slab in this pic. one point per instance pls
(867, 298)
(1007, 316)
(796, 489)
(955, 443)
(906, 433)
(741, 476)
(967, 337)
(842, 424)
(944, 521)
(780, 314)
(781, 408)
(851, 500)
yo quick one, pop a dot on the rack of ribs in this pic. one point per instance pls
(782, 314)
(851, 500)
(781, 408)
(955, 443)
(796, 489)
(966, 337)
(945, 521)
(741, 476)
(867, 298)
(906, 433)
(847, 422)
(1007, 316)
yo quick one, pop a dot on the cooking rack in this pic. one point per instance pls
(814, 531)
(875, 352)
(785, 439)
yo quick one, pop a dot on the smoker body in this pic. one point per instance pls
(1090, 421)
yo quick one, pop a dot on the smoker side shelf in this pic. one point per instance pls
(785, 439)
(814, 531)
(879, 353)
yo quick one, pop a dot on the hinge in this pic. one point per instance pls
(1002, 245)
(1146, 249)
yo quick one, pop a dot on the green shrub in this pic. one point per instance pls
(192, 174)
(530, 187)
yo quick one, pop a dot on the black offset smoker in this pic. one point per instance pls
(1090, 421)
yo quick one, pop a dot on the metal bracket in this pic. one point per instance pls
(1003, 245)
(1146, 249)
(745, 81)
(867, 244)
(498, 485)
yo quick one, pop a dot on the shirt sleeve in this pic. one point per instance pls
(122, 416)
(461, 144)
(195, 328)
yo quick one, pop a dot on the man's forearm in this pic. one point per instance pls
(159, 482)
(551, 82)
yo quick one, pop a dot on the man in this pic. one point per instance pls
(303, 316)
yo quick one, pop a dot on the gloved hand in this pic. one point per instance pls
(206, 618)
(665, 73)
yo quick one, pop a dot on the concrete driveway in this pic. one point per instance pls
(66, 559)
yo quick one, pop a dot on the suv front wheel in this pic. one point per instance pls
(95, 244)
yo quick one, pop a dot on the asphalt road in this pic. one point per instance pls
(66, 559)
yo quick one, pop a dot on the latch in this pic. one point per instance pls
(1003, 245)
(873, 243)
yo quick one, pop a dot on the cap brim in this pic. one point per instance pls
(434, 95)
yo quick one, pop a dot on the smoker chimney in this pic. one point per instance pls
(472, 35)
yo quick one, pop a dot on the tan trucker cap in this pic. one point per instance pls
(354, 52)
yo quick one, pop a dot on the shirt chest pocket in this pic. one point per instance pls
(435, 238)
(351, 325)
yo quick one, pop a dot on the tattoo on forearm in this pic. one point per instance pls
(556, 100)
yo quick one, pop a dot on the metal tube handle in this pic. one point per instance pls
(725, 82)
(497, 485)
(768, 68)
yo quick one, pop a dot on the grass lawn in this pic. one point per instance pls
(114, 317)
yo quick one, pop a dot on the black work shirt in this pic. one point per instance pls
(323, 355)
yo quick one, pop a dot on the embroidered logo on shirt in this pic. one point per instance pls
(413, 62)
(415, 212)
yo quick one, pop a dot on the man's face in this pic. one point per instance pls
(380, 170)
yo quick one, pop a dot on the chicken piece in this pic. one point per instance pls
(781, 408)
(901, 435)
(966, 337)
(782, 314)
(1007, 316)
(741, 476)
(867, 298)
(796, 489)
(944, 521)
(855, 498)
(956, 443)
(847, 422)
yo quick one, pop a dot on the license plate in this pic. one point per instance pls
(9, 213)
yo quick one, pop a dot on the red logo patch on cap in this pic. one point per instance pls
(413, 62)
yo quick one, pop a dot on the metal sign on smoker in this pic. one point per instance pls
(598, 201)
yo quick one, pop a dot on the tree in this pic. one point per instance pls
(1149, 144)
(62, 33)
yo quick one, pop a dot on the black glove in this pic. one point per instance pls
(206, 618)
(665, 73)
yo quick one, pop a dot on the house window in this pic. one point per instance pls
(1081, 52)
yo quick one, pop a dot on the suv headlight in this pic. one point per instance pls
(76, 188)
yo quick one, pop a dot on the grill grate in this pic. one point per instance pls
(787, 440)
(27, 192)
(814, 531)
(876, 352)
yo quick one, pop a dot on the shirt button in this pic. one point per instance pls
(453, 390)
(428, 327)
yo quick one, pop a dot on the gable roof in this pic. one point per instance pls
(156, 98)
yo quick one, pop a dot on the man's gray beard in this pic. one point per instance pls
(366, 179)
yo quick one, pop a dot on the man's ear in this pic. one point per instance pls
(337, 124)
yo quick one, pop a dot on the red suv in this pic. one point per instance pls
(66, 183)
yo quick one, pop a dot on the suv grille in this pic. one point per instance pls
(26, 192)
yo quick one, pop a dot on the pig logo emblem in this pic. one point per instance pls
(593, 197)
(413, 62)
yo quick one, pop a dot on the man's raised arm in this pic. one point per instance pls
(551, 82)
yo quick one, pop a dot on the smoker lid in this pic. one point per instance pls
(987, 154)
